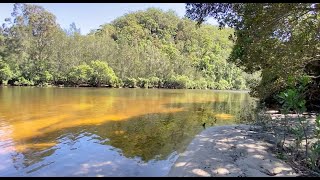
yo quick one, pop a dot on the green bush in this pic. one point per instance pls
(211, 85)
(116, 83)
(5, 72)
(21, 81)
(143, 82)
(293, 99)
(130, 82)
(80, 74)
(161, 83)
(154, 82)
(192, 85)
(102, 74)
(239, 83)
(45, 78)
(200, 84)
(223, 85)
(178, 82)
(60, 79)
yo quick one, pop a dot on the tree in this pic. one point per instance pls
(102, 74)
(73, 30)
(5, 72)
(278, 39)
(31, 35)
(80, 74)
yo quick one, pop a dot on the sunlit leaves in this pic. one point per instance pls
(151, 46)
(280, 39)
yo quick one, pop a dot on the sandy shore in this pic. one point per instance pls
(230, 151)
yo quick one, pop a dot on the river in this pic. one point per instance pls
(105, 131)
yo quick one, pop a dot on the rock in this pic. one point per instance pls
(221, 171)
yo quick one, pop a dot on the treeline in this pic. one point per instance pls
(150, 48)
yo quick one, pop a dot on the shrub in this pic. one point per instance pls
(178, 82)
(80, 74)
(5, 72)
(45, 78)
(154, 82)
(116, 83)
(130, 82)
(102, 74)
(21, 81)
(223, 85)
(239, 83)
(211, 85)
(143, 83)
(200, 84)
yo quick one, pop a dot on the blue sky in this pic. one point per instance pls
(89, 16)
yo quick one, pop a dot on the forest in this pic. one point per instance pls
(281, 41)
(148, 49)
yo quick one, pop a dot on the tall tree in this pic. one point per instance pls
(73, 30)
(31, 33)
(280, 39)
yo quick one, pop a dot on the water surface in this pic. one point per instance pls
(105, 132)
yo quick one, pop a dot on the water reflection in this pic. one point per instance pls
(105, 132)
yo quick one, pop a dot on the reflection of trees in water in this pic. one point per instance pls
(154, 135)
(151, 136)
(30, 157)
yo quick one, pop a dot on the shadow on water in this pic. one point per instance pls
(141, 145)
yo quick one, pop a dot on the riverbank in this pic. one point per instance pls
(235, 150)
(124, 87)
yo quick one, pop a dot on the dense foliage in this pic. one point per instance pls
(150, 48)
(279, 39)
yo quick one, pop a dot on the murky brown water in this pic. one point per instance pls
(105, 132)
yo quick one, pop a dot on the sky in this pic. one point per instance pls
(88, 16)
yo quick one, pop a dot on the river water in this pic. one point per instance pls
(104, 131)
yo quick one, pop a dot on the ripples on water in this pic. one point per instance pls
(105, 132)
